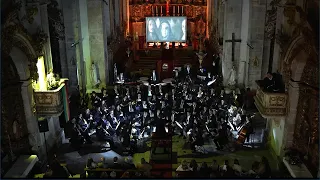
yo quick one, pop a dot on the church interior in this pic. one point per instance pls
(160, 89)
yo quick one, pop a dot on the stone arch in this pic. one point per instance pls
(23, 54)
(296, 64)
(21, 40)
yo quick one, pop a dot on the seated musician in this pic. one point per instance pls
(104, 104)
(105, 96)
(101, 133)
(76, 139)
(95, 100)
(87, 114)
(273, 83)
(199, 141)
(97, 114)
(83, 123)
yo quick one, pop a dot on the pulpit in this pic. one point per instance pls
(270, 104)
(53, 102)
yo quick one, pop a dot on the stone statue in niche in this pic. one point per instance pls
(95, 75)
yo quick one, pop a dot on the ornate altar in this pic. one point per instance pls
(195, 11)
(270, 105)
(51, 102)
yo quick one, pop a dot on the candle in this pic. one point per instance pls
(178, 9)
(174, 9)
(157, 9)
(161, 10)
(152, 10)
(182, 10)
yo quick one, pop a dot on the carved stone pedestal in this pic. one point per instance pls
(271, 105)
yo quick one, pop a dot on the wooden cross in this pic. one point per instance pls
(233, 40)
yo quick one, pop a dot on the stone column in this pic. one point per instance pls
(232, 24)
(117, 13)
(106, 33)
(293, 94)
(62, 47)
(84, 48)
(258, 17)
(245, 38)
(277, 48)
(45, 28)
(32, 123)
(97, 44)
(70, 10)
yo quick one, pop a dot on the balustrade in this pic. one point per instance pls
(270, 104)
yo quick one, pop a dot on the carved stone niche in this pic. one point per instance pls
(270, 105)
(50, 102)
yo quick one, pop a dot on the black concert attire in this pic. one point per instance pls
(269, 84)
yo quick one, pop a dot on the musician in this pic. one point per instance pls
(249, 130)
(116, 91)
(198, 141)
(98, 114)
(82, 122)
(218, 138)
(101, 133)
(95, 100)
(87, 114)
(104, 105)
(76, 139)
(105, 97)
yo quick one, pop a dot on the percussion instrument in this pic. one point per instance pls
(143, 78)
(168, 81)
(144, 82)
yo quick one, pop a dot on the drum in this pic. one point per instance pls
(168, 81)
(146, 83)
(144, 79)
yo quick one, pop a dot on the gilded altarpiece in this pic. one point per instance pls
(306, 134)
(195, 11)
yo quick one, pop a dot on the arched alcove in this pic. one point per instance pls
(21, 63)
(300, 70)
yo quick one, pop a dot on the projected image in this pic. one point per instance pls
(166, 29)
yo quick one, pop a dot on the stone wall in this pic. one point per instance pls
(96, 39)
(257, 41)
(232, 24)
(71, 24)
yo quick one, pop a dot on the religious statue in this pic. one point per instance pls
(188, 69)
(136, 37)
(128, 52)
(154, 76)
(232, 78)
(115, 72)
(94, 75)
(176, 73)
(201, 56)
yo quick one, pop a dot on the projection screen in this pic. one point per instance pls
(166, 29)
